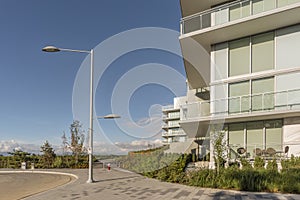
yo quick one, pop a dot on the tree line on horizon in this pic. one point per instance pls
(74, 153)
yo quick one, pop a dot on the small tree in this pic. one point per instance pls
(76, 140)
(259, 163)
(18, 156)
(272, 165)
(220, 149)
(48, 155)
(21, 155)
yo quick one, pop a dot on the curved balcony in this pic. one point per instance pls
(258, 105)
(229, 12)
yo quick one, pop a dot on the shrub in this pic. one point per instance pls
(58, 162)
(175, 172)
(259, 163)
(290, 180)
(246, 164)
(272, 165)
(203, 178)
(256, 179)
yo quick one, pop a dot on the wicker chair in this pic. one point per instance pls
(271, 151)
(241, 150)
(257, 151)
(286, 150)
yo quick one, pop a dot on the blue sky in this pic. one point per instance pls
(36, 87)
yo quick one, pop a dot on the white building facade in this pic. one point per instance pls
(172, 132)
(248, 73)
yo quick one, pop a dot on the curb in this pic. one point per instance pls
(41, 172)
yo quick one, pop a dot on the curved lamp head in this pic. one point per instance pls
(110, 116)
(50, 49)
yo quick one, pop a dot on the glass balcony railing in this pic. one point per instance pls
(229, 12)
(171, 116)
(168, 107)
(174, 133)
(171, 125)
(269, 101)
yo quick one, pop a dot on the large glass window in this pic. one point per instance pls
(221, 61)
(239, 97)
(274, 134)
(262, 94)
(263, 52)
(239, 57)
(236, 135)
(220, 95)
(287, 47)
(260, 135)
(254, 136)
(243, 59)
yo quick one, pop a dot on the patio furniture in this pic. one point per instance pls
(241, 150)
(286, 150)
(257, 151)
(271, 152)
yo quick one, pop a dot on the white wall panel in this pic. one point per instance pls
(288, 47)
(291, 135)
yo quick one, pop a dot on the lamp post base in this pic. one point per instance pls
(90, 181)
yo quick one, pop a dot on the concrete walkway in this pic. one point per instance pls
(122, 185)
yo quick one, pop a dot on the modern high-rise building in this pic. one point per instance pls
(172, 132)
(174, 136)
(242, 61)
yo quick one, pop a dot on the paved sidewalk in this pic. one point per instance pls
(122, 185)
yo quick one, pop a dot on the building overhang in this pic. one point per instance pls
(258, 23)
(195, 129)
(196, 62)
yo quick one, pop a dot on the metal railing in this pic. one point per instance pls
(228, 12)
(168, 107)
(174, 133)
(167, 126)
(170, 117)
(269, 101)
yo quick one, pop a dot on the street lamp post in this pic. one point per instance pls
(90, 148)
(111, 116)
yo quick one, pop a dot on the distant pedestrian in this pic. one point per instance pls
(108, 166)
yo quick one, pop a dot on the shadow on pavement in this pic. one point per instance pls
(114, 179)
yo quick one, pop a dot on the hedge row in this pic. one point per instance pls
(257, 178)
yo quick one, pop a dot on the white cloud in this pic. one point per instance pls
(99, 147)
(11, 145)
